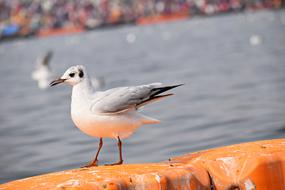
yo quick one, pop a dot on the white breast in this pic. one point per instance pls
(111, 126)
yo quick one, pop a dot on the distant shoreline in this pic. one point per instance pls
(144, 20)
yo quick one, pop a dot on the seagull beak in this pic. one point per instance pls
(57, 81)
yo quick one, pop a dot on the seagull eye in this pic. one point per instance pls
(81, 74)
(71, 74)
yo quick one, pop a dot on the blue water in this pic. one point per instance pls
(234, 92)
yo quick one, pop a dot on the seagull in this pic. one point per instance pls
(43, 74)
(112, 113)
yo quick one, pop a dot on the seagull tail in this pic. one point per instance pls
(149, 120)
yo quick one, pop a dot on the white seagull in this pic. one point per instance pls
(43, 74)
(111, 113)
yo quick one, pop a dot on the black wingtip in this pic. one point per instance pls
(160, 90)
(170, 86)
(174, 86)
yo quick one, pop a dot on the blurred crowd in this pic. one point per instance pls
(27, 17)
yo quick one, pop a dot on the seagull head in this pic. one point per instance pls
(72, 76)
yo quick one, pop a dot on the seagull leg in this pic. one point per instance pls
(95, 161)
(120, 154)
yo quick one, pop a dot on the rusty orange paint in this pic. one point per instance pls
(255, 165)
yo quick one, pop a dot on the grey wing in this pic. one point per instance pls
(122, 99)
(47, 57)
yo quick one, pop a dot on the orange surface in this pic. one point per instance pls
(60, 31)
(256, 165)
(162, 18)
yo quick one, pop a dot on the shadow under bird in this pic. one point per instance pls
(111, 113)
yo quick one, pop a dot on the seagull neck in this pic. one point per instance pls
(82, 90)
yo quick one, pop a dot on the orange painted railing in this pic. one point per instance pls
(249, 166)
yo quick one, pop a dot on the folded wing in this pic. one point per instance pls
(118, 100)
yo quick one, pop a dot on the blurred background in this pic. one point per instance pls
(229, 54)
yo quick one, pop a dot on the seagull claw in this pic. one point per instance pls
(93, 164)
(114, 164)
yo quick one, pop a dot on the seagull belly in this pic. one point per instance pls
(109, 125)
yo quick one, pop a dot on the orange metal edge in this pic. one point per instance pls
(253, 165)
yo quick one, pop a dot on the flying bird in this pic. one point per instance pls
(43, 74)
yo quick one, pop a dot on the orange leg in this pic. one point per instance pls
(95, 161)
(120, 154)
